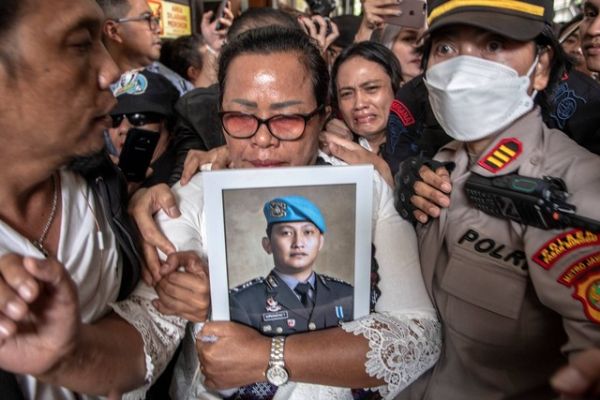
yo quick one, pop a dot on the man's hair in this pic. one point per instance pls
(371, 51)
(182, 53)
(261, 17)
(114, 9)
(277, 40)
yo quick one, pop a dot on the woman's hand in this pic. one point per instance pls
(142, 206)
(581, 377)
(215, 38)
(232, 355)
(374, 14)
(218, 157)
(186, 292)
(316, 27)
(353, 153)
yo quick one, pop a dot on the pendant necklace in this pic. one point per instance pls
(39, 244)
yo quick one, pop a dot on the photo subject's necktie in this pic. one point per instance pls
(303, 289)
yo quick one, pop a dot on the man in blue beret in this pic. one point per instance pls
(293, 297)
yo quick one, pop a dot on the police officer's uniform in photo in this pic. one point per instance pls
(280, 305)
(515, 300)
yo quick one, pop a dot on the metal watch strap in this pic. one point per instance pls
(276, 374)
(276, 356)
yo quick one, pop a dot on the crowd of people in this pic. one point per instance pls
(107, 132)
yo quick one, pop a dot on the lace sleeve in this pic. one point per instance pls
(161, 334)
(400, 348)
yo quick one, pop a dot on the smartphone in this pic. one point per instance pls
(413, 15)
(219, 13)
(137, 153)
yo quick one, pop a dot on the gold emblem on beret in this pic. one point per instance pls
(278, 209)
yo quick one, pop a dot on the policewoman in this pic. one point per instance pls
(293, 297)
(515, 301)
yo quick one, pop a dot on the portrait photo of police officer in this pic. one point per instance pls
(293, 296)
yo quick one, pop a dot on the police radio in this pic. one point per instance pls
(541, 203)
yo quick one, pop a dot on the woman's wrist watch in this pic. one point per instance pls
(276, 373)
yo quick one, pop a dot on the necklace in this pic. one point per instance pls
(39, 244)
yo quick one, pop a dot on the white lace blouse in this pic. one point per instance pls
(404, 334)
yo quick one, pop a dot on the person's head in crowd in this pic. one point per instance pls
(590, 34)
(364, 79)
(131, 33)
(347, 26)
(295, 234)
(273, 97)
(569, 37)
(403, 43)
(145, 100)
(463, 43)
(185, 55)
(260, 17)
(54, 85)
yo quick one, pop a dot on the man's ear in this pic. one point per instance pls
(321, 241)
(110, 30)
(266, 244)
(541, 74)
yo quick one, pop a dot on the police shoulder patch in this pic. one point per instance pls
(587, 291)
(563, 244)
(400, 109)
(325, 279)
(506, 151)
(247, 285)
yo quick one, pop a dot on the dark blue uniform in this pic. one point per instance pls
(269, 305)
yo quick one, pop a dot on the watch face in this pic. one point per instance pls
(277, 375)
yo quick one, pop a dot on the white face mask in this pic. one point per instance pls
(473, 98)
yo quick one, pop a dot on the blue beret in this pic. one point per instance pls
(293, 209)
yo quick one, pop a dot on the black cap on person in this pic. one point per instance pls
(518, 20)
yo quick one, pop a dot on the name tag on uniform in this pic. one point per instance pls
(275, 316)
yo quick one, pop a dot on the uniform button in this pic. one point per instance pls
(266, 328)
(312, 326)
(279, 329)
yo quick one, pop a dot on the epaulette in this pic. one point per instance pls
(326, 278)
(246, 285)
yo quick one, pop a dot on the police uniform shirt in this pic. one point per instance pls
(271, 306)
(293, 283)
(513, 299)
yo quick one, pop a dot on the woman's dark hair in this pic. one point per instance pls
(371, 51)
(276, 39)
(182, 53)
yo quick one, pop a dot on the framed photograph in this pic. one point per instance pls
(269, 230)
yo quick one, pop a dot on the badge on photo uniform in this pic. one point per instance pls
(339, 312)
(267, 328)
(291, 322)
(272, 305)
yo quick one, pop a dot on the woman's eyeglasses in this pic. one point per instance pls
(284, 127)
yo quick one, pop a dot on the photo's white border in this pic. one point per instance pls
(215, 182)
